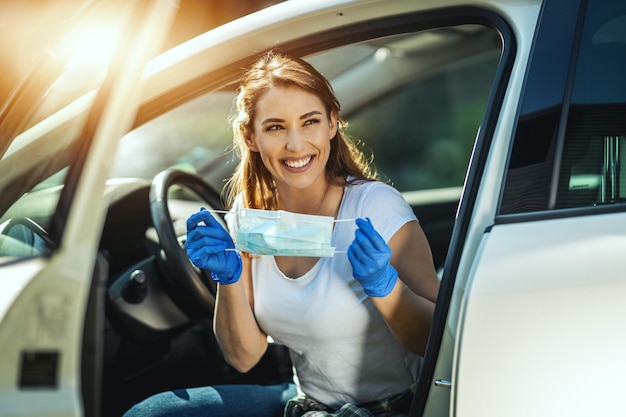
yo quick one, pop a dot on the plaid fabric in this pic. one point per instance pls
(394, 406)
(348, 410)
(298, 406)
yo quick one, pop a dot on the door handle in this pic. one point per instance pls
(443, 383)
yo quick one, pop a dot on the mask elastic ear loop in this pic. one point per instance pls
(339, 221)
(223, 212)
(220, 211)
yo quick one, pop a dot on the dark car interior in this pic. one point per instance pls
(158, 331)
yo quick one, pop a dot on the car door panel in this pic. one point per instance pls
(538, 312)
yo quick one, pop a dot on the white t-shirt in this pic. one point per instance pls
(340, 346)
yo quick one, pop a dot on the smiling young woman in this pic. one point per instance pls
(356, 321)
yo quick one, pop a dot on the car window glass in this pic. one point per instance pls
(422, 131)
(569, 145)
(593, 171)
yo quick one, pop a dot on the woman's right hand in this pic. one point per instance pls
(209, 246)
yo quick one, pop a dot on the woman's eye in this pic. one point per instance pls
(311, 122)
(273, 127)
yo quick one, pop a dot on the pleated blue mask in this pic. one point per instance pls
(283, 233)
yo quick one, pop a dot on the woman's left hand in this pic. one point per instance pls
(370, 257)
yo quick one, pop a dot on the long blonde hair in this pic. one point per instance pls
(251, 178)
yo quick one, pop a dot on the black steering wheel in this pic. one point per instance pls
(195, 285)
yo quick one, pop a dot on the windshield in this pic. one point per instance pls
(195, 137)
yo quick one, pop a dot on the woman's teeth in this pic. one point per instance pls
(299, 163)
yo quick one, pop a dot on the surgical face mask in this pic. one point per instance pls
(282, 233)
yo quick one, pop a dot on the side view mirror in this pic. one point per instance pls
(22, 237)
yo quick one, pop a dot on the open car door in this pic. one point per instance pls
(50, 271)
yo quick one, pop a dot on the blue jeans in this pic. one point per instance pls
(217, 401)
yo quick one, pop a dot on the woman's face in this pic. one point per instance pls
(292, 134)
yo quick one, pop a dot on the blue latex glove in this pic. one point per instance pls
(370, 257)
(206, 247)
